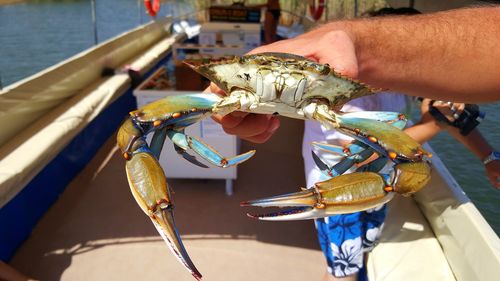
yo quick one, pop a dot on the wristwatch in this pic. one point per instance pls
(494, 155)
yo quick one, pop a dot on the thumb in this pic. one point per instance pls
(337, 49)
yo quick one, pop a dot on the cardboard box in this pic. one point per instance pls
(235, 14)
(247, 35)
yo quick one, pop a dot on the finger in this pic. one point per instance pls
(228, 121)
(212, 88)
(240, 114)
(456, 109)
(265, 136)
(262, 138)
(230, 118)
(251, 125)
(341, 56)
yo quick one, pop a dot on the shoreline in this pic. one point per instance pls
(9, 2)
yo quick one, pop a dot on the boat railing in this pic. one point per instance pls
(42, 113)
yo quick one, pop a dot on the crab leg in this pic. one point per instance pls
(167, 118)
(385, 139)
(346, 193)
(157, 141)
(396, 119)
(149, 187)
(204, 150)
(343, 194)
(374, 166)
(343, 165)
(361, 190)
(357, 152)
(150, 190)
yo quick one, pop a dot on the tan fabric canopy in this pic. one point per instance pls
(41, 114)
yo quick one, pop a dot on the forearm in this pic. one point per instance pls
(474, 141)
(450, 54)
(423, 131)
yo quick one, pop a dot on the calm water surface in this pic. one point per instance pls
(38, 34)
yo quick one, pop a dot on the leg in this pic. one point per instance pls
(229, 187)
(341, 242)
(329, 277)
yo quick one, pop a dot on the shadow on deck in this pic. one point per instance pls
(97, 232)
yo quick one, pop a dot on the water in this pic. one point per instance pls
(38, 34)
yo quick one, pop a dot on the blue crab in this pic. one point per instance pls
(272, 83)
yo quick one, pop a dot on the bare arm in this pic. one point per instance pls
(478, 145)
(428, 127)
(450, 55)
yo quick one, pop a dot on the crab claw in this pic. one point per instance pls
(339, 195)
(163, 220)
(304, 201)
(149, 188)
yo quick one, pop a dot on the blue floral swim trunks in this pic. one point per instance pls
(345, 238)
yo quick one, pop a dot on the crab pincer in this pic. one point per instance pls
(346, 193)
(166, 118)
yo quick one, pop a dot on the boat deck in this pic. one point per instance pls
(97, 232)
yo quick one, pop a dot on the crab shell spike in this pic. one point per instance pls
(157, 123)
(392, 155)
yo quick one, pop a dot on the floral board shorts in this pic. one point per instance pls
(345, 238)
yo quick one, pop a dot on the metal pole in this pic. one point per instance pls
(139, 8)
(94, 21)
(326, 11)
(355, 8)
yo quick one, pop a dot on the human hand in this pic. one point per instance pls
(327, 45)
(335, 48)
(257, 128)
(493, 173)
(451, 111)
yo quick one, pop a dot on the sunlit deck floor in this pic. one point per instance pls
(96, 231)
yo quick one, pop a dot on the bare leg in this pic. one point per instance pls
(329, 277)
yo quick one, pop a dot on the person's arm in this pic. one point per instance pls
(446, 55)
(451, 55)
(478, 145)
(428, 127)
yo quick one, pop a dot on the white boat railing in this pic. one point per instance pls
(470, 245)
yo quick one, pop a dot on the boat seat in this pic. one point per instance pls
(408, 248)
